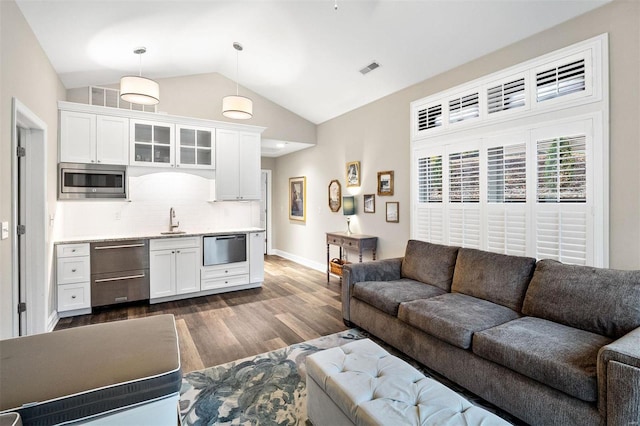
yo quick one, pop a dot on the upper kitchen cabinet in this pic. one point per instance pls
(195, 147)
(237, 165)
(93, 138)
(152, 143)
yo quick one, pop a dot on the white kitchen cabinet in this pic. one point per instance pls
(256, 257)
(195, 147)
(112, 140)
(152, 143)
(92, 138)
(237, 165)
(174, 266)
(227, 275)
(73, 274)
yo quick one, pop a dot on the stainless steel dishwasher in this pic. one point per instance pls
(119, 271)
(223, 249)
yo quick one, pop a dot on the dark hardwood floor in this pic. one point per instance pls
(295, 304)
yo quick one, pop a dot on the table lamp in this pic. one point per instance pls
(348, 209)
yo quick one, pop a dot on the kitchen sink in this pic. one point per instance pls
(173, 232)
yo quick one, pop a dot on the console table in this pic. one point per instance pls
(357, 242)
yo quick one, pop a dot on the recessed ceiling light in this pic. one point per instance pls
(372, 66)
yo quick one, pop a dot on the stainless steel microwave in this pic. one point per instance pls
(78, 181)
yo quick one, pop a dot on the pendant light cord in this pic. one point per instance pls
(237, 68)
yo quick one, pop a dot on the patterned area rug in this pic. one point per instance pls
(270, 389)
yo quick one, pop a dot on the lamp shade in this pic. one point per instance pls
(349, 205)
(139, 90)
(237, 107)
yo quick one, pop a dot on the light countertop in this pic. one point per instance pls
(151, 235)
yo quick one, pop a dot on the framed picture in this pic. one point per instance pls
(385, 183)
(335, 195)
(353, 173)
(369, 203)
(298, 198)
(393, 211)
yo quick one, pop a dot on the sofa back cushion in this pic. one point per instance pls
(603, 301)
(498, 278)
(429, 263)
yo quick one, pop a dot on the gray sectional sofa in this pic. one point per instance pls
(550, 343)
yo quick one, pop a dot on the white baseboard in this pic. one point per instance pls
(320, 267)
(52, 321)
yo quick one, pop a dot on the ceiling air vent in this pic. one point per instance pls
(372, 66)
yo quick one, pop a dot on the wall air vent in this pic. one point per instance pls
(372, 66)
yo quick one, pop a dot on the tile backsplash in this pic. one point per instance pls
(147, 210)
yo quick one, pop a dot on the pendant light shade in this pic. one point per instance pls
(235, 106)
(138, 89)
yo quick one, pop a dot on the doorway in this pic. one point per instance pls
(265, 208)
(30, 282)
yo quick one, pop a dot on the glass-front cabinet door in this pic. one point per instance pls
(152, 143)
(195, 147)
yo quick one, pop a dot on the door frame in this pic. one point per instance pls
(268, 234)
(36, 237)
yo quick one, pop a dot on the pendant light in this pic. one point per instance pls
(137, 89)
(234, 106)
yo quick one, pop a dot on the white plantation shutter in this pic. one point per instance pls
(506, 96)
(430, 214)
(430, 117)
(517, 161)
(464, 177)
(430, 179)
(430, 224)
(507, 229)
(464, 108)
(506, 210)
(464, 226)
(507, 174)
(562, 170)
(562, 234)
(561, 79)
(563, 194)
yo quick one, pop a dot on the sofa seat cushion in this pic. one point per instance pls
(388, 295)
(498, 278)
(429, 263)
(454, 317)
(603, 301)
(554, 354)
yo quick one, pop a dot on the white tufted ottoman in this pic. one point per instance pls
(361, 383)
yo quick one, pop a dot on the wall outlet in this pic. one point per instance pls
(5, 230)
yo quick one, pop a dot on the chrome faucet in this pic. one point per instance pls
(172, 215)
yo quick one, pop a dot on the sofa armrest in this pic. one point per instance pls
(619, 380)
(378, 270)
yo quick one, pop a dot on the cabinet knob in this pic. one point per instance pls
(73, 270)
(178, 251)
(93, 161)
(173, 252)
(73, 250)
(226, 272)
(73, 297)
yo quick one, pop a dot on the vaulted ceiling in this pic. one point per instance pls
(302, 55)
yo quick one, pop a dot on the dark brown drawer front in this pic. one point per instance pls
(116, 256)
(111, 288)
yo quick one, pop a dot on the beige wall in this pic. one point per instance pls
(378, 136)
(201, 96)
(26, 74)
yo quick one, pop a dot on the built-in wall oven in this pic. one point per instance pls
(223, 249)
(78, 181)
